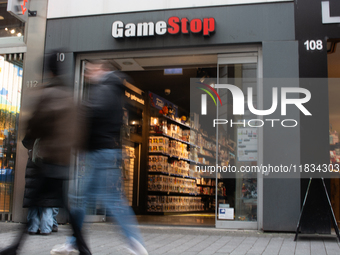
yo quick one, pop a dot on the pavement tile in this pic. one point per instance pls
(173, 247)
(288, 247)
(169, 244)
(259, 246)
(303, 248)
(318, 248)
(273, 246)
(185, 247)
(231, 245)
(332, 247)
(245, 246)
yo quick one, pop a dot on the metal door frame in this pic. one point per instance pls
(251, 57)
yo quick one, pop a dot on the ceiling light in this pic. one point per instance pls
(19, 34)
(6, 28)
(12, 31)
(173, 71)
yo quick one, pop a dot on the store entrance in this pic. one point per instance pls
(166, 142)
(175, 195)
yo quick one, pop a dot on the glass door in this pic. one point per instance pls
(95, 212)
(131, 150)
(236, 144)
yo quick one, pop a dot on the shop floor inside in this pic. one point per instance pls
(190, 219)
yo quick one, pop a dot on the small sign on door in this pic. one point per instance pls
(225, 213)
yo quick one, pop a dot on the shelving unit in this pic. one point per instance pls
(172, 156)
(165, 141)
(173, 175)
(172, 138)
(128, 167)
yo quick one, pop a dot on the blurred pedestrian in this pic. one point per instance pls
(39, 197)
(104, 117)
(55, 222)
(52, 127)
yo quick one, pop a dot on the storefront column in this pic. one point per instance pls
(281, 197)
(32, 73)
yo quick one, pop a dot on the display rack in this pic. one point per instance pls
(175, 149)
(170, 160)
(128, 167)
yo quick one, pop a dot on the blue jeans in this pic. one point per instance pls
(102, 182)
(40, 217)
(55, 213)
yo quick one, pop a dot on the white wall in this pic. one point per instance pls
(71, 8)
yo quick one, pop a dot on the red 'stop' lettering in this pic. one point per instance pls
(173, 23)
(196, 25)
(208, 26)
(184, 22)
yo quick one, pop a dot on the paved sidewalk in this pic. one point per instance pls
(105, 238)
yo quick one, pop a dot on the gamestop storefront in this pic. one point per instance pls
(213, 104)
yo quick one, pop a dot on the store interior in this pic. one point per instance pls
(333, 58)
(176, 194)
(149, 75)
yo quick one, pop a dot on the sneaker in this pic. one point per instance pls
(45, 234)
(11, 250)
(64, 249)
(55, 228)
(137, 248)
(33, 233)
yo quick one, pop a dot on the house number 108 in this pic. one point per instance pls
(313, 45)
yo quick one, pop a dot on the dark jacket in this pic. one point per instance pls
(39, 190)
(104, 112)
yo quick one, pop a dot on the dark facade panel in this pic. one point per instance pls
(315, 130)
(281, 197)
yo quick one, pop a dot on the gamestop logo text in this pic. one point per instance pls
(173, 26)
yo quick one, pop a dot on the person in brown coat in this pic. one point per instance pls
(53, 128)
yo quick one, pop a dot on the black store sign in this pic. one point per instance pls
(316, 21)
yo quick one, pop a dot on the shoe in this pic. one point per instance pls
(55, 228)
(64, 249)
(45, 234)
(33, 233)
(137, 248)
(12, 250)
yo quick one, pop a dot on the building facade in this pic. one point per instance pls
(256, 41)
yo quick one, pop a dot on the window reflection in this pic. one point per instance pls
(10, 96)
(9, 25)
